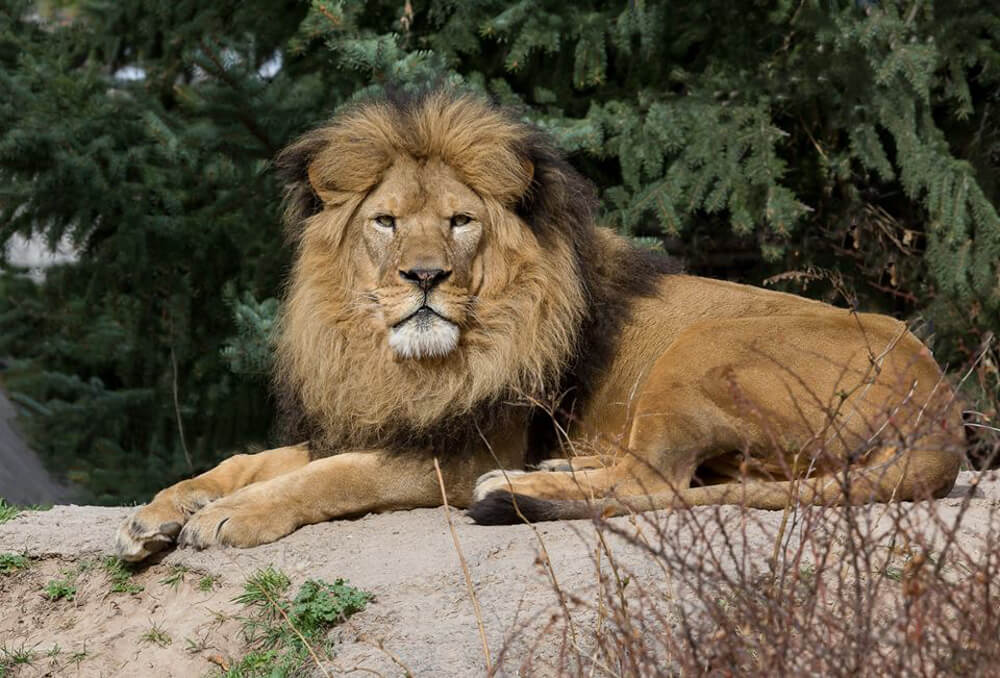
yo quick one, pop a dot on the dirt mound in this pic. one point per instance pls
(176, 617)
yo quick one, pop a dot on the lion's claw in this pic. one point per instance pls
(204, 531)
(191, 537)
(155, 526)
(238, 520)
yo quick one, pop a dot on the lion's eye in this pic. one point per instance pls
(385, 222)
(460, 220)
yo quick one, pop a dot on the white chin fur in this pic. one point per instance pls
(423, 336)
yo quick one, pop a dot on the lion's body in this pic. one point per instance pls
(452, 294)
(724, 393)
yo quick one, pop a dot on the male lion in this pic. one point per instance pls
(452, 298)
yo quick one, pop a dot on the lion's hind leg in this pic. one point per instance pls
(898, 475)
(674, 430)
(156, 525)
(910, 475)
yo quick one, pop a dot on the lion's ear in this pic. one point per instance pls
(322, 189)
(329, 165)
(293, 167)
(556, 193)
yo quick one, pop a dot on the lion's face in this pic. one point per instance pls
(438, 270)
(421, 232)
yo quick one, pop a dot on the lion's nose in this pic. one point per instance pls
(425, 278)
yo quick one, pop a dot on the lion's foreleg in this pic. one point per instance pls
(154, 526)
(345, 484)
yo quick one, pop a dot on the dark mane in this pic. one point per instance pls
(559, 205)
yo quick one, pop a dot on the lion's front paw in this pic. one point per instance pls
(155, 526)
(150, 529)
(237, 520)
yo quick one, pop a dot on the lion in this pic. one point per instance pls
(454, 304)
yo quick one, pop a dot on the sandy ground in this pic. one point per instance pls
(421, 621)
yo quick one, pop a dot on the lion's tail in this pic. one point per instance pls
(917, 474)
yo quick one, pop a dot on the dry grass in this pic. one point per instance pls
(465, 570)
(875, 590)
(907, 588)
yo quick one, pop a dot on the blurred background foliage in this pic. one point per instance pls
(845, 149)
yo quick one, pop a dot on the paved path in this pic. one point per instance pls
(23, 479)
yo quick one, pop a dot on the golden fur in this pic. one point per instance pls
(450, 278)
(524, 329)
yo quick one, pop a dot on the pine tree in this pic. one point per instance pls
(144, 137)
(851, 145)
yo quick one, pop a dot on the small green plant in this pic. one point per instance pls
(283, 634)
(11, 562)
(320, 605)
(82, 567)
(263, 587)
(120, 574)
(22, 656)
(7, 511)
(176, 576)
(11, 659)
(59, 589)
(196, 645)
(208, 582)
(79, 655)
(157, 636)
(257, 663)
(894, 573)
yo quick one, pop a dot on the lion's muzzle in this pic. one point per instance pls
(425, 278)
(425, 334)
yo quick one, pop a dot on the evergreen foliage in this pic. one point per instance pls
(848, 145)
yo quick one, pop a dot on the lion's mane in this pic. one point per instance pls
(558, 290)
